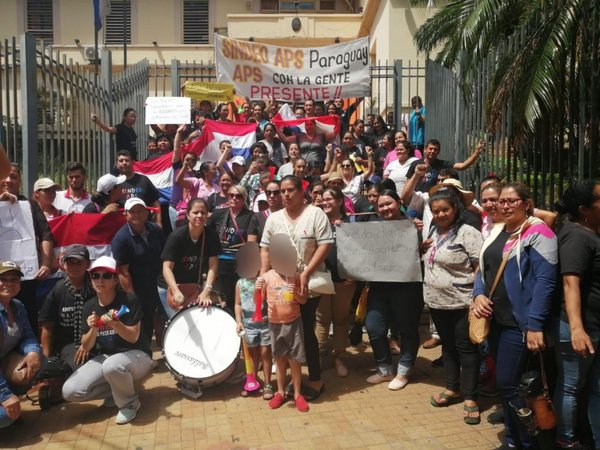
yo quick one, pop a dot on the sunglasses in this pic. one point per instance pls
(236, 196)
(346, 166)
(104, 276)
(273, 193)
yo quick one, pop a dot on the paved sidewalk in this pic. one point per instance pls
(350, 414)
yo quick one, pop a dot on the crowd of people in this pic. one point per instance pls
(495, 257)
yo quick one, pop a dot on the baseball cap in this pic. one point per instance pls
(106, 183)
(104, 262)
(76, 251)
(44, 183)
(9, 266)
(131, 202)
(238, 160)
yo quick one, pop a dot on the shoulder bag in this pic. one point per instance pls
(319, 282)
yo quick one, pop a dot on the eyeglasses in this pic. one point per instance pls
(346, 166)
(104, 276)
(7, 280)
(273, 193)
(509, 201)
(236, 196)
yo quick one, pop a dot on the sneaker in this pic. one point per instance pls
(126, 415)
(398, 383)
(301, 404)
(377, 378)
(496, 417)
(108, 402)
(276, 401)
(432, 342)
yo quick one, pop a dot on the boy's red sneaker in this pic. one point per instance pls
(301, 404)
(277, 401)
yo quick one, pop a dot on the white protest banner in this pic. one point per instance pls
(166, 110)
(379, 251)
(17, 238)
(261, 71)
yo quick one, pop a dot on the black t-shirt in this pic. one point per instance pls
(59, 308)
(108, 341)
(579, 250)
(126, 139)
(492, 259)
(139, 186)
(430, 178)
(185, 253)
(223, 224)
(216, 201)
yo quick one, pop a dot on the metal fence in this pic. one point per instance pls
(46, 105)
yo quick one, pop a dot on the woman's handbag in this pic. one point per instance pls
(319, 282)
(541, 404)
(479, 327)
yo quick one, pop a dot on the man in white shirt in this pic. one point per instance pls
(75, 197)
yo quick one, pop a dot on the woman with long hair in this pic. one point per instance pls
(521, 305)
(399, 168)
(450, 262)
(181, 257)
(334, 308)
(235, 226)
(579, 325)
(275, 148)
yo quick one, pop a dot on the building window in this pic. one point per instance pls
(118, 23)
(40, 19)
(195, 22)
(286, 6)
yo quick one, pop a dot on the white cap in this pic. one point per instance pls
(44, 183)
(106, 183)
(104, 262)
(238, 160)
(131, 202)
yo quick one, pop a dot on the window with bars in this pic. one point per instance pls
(40, 19)
(195, 22)
(118, 23)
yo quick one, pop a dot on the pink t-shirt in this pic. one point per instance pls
(199, 188)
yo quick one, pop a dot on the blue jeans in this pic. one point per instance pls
(573, 371)
(398, 305)
(162, 294)
(509, 347)
(5, 421)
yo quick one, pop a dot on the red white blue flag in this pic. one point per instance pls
(241, 135)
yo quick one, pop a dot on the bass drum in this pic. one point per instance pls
(201, 347)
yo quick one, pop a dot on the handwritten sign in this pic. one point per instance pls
(260, 71)
(168, 110)
(379, 251)
(17, 238)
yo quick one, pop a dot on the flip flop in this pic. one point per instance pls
(445, 400)
(472, 420)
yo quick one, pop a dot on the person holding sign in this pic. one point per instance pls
(397, 305)
(451, 260)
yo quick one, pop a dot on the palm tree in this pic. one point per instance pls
(545, 59)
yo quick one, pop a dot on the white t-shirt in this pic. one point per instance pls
(396, 172)
(308, 231)
(352, 189)
(68, 204)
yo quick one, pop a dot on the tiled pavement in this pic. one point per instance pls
(350, 414)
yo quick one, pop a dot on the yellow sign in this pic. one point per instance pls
(217, 92)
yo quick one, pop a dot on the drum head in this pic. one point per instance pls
(200, 343)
